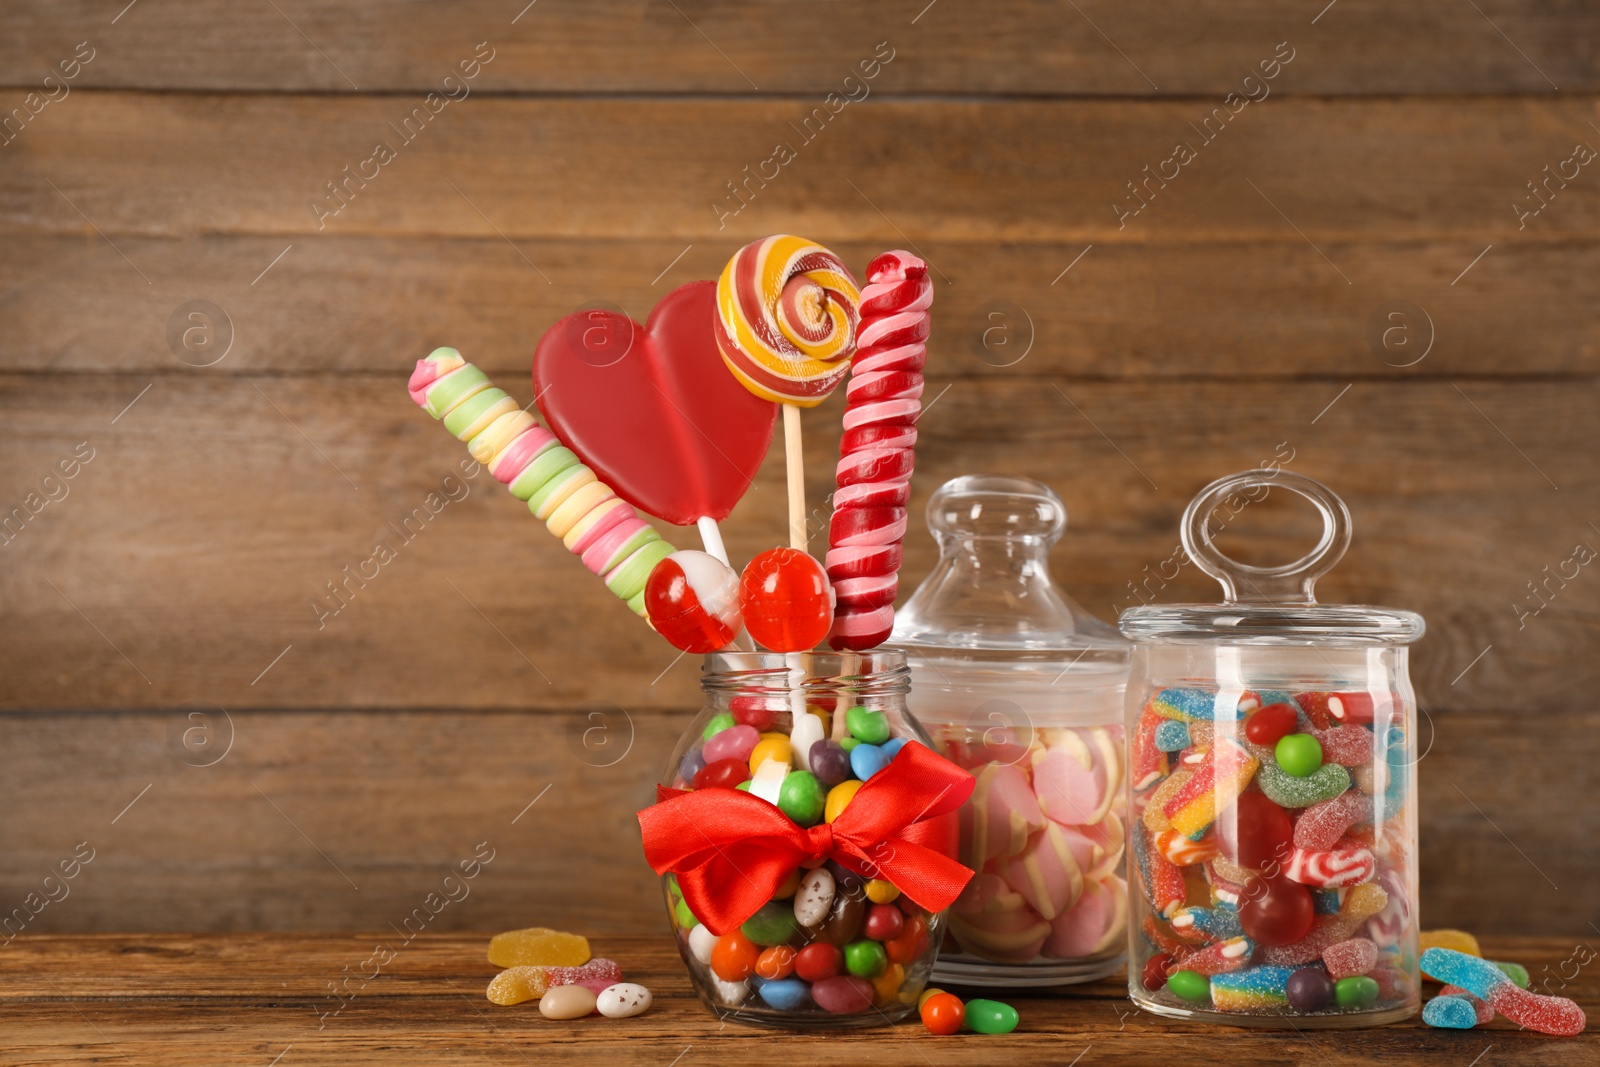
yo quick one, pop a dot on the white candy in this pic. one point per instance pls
(732, 994)
(807, 732)
(701, 942)
(623, 1000)
(768, 781)
(814, 897)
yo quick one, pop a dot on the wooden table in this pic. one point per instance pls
(261, 998)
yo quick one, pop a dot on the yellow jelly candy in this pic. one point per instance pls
(1459, 940)
(538, 947)
(886, 987)
(838, 797)
(771, 747)
(790, 886)
(518, 984)
(931, 991)
(882, 892)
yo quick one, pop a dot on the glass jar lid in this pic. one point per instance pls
(991, 590)
(1269, 605)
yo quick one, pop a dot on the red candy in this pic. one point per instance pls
(1322, 824)
(724, 774)
(1276, 911)
(1348, 746)
(786, 600)
(817, 961)
(751, 711)
(692, 599)
(943, 1013)
(1271, 723)
(1255, 832)
(1154, 975)
(884, 922)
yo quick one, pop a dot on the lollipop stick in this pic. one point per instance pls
(797, 477)
(711, 537)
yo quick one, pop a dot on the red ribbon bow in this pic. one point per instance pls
(731, 851)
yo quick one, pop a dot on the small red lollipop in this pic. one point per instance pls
(786, 600)
(692, 599)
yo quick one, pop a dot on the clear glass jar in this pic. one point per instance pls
(1022, 687)
(1272, 790)
(867, 958)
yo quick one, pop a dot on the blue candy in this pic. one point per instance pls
(692, 763)
(1185, 704)
(1217, 924)
(1326, 901)
(785, 994)
(867, 760)
(1478, 977)
(891, 748)
(1450, 1013)
(1172, 735)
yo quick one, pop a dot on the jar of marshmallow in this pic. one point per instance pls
(1022, 687)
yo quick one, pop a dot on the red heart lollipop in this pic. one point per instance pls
(652, 408)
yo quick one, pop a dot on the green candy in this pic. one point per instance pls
(1195, 988)
(450, 388)
(772, 924)
(686, 919)
(544, 466)
(871, 727)
(718, 723)
(1357, 992)
(991, 1017)
(627, 581)
(801, 797)
(848, 743)
(1299, 755)
(1287, 791)
(472, 409)
(865, 959)
(1514, 971)
(743, 786)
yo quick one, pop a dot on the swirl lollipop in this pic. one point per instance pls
(786, 324)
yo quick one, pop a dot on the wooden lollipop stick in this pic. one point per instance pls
(797, 477)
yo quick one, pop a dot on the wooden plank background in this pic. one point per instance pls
(164, 593)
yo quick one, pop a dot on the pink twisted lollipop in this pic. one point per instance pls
(876, 455)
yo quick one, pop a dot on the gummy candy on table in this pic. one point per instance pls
(523, 982)
(1548, 1015)
(538, 947)
(1458, 940)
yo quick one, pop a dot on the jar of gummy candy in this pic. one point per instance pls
(1272, 790)
(825, 939)
(1022, 687)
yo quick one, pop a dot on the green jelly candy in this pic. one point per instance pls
(801, 798)
(1357, 992)
(992, 1017)
(1514, 971)
(1299, 755)
(744, 786)
(867, 725)
(772, 924)
(849, 743)
(718, 724)
(864, 959)
(1195, 988)
(686, 919)
(1287, 791)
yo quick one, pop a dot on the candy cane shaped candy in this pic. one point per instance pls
(605, 532)
(876, 452)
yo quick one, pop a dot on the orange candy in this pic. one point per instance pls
(912, 942)
(943, 1013)
(734, 956)
(775, 962)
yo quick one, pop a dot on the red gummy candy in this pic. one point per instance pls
(1271, 724)
(1321, 826)
(1350, 958)
(1254, 832)
(1276, 911)
(1348, 746)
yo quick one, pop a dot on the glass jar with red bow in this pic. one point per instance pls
(806, 836)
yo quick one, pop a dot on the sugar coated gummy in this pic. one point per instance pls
(1548, 1015)
(1350, 958)
(1450, 1013)
(1253, 989)
(1456, 940)
(538, 947)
